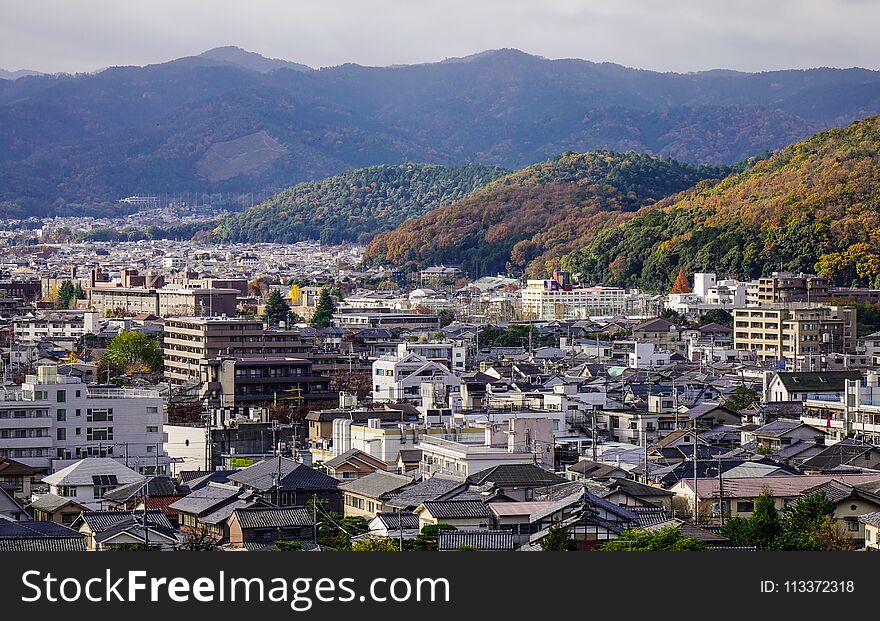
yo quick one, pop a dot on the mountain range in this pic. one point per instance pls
(232, 121)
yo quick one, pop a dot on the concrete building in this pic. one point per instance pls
(787, 287)
(396, 378)
(555, 299)
(52, 420)
(792, 332)
(55, 325)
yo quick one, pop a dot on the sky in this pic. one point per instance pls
(662, 35)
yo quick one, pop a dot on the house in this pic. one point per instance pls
(159, 492)
(395, 524)
(516, 481)
(588, 469)
(353, 464)
(630, 494)
(408, 460)
(16, 477)
(55, 508)
(463, 514)
(851, 500)
(401, 377)
(109, 530)
(89, 479)
(206, 510)
(773, 436)
(258, 528)
(284, 482)
(37, 536)
(871, 524)
(438, 487)
(366, 497)
(10, 509)
(848, 452)
(809, 385)
(709, 414)
(661, 333)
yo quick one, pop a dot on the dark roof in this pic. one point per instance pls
(259, 517)
(206, 499)
(515, 475)
(817, 381)
(392, 520)
(215, 476)
(36, 536)
(594, 469)
(12, 468)
(353, 454)
(156, 486)
(99, 521)
(654, 325)
(295, 476)
(636, 489)
(445, 509)
(478, 539)
(870, 518)
(135, 523)
(376, 484)
(845, 452)
(648, 516)
(429, 489)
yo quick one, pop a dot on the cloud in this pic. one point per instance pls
(669, 35)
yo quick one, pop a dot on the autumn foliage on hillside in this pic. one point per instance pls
(527, 220)
(813, 206)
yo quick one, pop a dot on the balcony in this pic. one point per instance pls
(123, 393)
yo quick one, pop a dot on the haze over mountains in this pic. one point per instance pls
(233, 121)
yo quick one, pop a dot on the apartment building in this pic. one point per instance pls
(787, 287)
(55, 325)
(396, 378)
(51, 420)
(787, 333)
(555, 299)
(192, 341)
(165, 302)
(237, 382)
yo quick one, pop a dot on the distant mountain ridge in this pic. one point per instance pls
(233, 121)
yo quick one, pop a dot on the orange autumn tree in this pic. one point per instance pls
(681, 283)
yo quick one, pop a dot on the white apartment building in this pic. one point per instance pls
(546, 300)
(449, 354)
(396, 378)
(55, 325)
(709, 293)
(52, 420)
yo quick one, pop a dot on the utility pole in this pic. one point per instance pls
(400, 527)
(595, 448)
(696, 495)
(720, 492)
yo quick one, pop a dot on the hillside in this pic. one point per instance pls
(355, 205)
(529, 218)
(813, 206)
(233, 122)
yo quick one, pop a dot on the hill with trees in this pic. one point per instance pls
(229, 121)
(813, 206)
(528, 219)
(355, 205)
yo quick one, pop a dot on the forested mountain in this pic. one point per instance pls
(355, 205)
(231, 121)
(813, 206)
(529, 218)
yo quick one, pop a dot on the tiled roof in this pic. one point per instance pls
(376, 484)
(83, 471)
(34, 536)
(429, 489)
(391, 520)
(817, 381)
(205, 499)
(98, 521)
(521, 475)
(787, 486)
(478, 539)
(295, 476)
(259, 517)
(445, 509)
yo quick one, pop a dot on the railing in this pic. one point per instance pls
(123, 393)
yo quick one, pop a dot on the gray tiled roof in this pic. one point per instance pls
(478, 539)
(205, 499)
(520, 475)
(98, 521)
(376, 484)
(392, 519)
(34, 536)
(295, 476)
(259, 517)
(429, 489)
(445, 509)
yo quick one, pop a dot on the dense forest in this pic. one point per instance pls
(231, 122)
(355, 205)
(528, 219)
(813, 206)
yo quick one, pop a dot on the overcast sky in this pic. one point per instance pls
(666, 35)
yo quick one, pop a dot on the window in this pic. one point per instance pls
(61, 396)
(867, 534)
(62, 433)
(78, 394)
(152, 428)
(61, 414)
(99, 415)
(745, 507)
(68, 491)
(852, 526)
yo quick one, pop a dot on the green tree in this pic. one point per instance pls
(375, 544)
(78, 292)
(427, 539)
(741, 398)
(323, 316)
(557, 539)
(276, 309)
(668, 538)
(446, 316)
(66, 294)
(802, 520)
(133, 352)
(765, 526)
